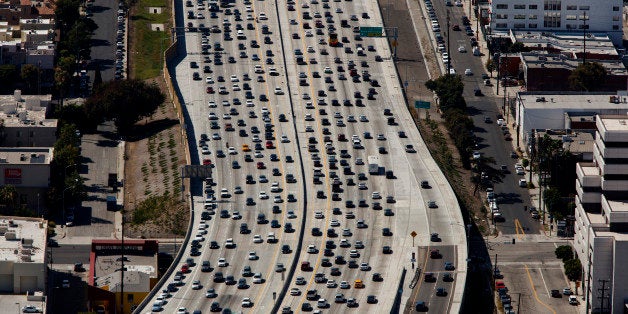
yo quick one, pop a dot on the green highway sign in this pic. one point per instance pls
(419, 104)
(371, 31)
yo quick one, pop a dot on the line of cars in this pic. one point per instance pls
(120, 42)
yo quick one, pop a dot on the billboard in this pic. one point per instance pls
(13, 176)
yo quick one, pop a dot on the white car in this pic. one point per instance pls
(257, 278)
(275, 187)
(257, 239)
(211, 104)
(263, 195)
(253, 256)
(209, 80)
(295, 291)
(344, 285)
(331, 283)
(477, 155)
(311, 249)
(236, 215)
(196, 285)
(278, 91)
(306, 96)
(262, 16)
(234, 78)
(376, 195)
(365, 266)
(232, 151)
(182, 310)
(246, 302)
(222, 262)
(285, 139)
(277, 199)
(354, 254)
(319, 215)
(334, 223)
(468, 72)
(462, 49)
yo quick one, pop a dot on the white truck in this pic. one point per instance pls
(373, 162)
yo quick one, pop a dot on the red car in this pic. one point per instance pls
(260, 165)
(185, 268)
(210, 90)
(269, 144)
(207, 162)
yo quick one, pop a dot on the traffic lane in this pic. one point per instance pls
(427, 290)
(512, 197)
(104, 39)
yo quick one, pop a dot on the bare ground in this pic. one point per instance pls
(154, 157)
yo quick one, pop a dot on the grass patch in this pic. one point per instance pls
(149, 44)
(151, 208)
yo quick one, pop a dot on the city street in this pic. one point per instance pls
(531, 271)
(104, 40)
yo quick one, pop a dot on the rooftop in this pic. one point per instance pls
(134, 281)
(575, 100)
(575, 142)
(596, 43)
(559, 61)
(618, 205)
(614, 122)
(20, 110)
(22, 239)
(25, 155)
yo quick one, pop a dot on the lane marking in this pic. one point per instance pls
(536, 296)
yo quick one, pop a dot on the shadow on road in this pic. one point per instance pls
(147, 130)
(100, 42)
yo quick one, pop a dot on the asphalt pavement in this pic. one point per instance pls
(410, 210)
(103, 51)
(511, 197)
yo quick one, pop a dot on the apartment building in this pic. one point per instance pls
(601, 218)
(600, 16)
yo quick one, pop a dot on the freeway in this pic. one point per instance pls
(511, 198)
(317, 120)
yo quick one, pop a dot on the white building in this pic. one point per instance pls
(549, 110)
(22, 255)
(603, 16)
(601, 224)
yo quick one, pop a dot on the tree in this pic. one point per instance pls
(490, 66)
(125, 102)
(449, 89)
(30, 74)
(516, 47)
(573, 269)
(8, 77)
(564, 252)
(589, 76)
(551, 197)
(8, 198)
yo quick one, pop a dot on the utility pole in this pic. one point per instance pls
(496, 58)
(448, 50)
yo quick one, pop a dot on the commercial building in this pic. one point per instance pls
(23, 260)
(551, 110)
(568, 16)
(601, 218)
(106, 279)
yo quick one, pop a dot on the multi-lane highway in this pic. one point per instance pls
(313, 144)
